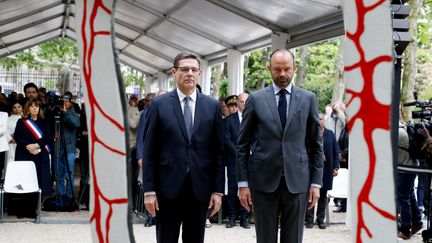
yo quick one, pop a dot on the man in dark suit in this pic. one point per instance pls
(331, 168)
(183, 168)
(284, 172)
(232, 127)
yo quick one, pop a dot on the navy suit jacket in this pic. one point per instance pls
(331, 153)
(168, 151)
(232, 127)
(140, 135)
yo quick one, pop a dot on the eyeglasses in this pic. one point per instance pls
(186, 69)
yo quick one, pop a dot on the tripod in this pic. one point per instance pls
(61, 154)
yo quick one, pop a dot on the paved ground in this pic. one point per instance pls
(74, 227)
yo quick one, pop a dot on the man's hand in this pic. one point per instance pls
(215, 203)
(335, 172)
(151, 204)
(314, 195)
(245, 198)
(423, 131)
(139, 163)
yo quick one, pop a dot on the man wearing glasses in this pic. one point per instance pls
(183, 169)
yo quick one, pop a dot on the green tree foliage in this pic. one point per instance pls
(256, 70)
(52, 53)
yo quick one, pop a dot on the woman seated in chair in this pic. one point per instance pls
(32, 137)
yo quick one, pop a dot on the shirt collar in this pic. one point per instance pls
(181, 96)
(276, 88)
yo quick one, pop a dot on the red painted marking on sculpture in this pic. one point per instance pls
(373, 114)
(94, 105)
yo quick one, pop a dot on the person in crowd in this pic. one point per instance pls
(4, 103)
(4, 141)
(224, 107)
(231, 102)
(133, 119)
(284, 172)
(69, 123)
(183, 167)
(343, 142)
(15, 115)
(139, 151)
(336, 120)
(84, 160)
(328, 110)
(410, 215)
(32, 137)
(232, 127)
(331, 167)
(30, 91)
(147, 101)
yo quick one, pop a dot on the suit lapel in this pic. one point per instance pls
(294, 102)
(179, 114)
(198, 114)
(271, 102)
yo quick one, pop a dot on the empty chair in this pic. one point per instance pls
(340, 190)
(21, 178)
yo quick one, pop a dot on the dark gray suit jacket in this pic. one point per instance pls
(298, 147)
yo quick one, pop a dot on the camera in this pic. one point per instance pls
(416, 139)
(425, 106)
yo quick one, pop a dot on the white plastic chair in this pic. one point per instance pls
(340, 190)
(21, 178)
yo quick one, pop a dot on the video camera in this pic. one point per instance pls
(425, 106)
(416, 139)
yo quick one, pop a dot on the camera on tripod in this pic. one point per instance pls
(413, 128)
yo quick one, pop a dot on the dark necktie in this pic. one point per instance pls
(282, 107)
(187, 113)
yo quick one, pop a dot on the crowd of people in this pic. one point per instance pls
(278, 153)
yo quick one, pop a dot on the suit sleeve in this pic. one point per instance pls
(229, 145)
(247, 131)
(314, 144)
(150, 147)
(220, 166)
(335, 152)
(140, 136)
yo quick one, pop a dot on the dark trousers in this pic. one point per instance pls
(183, 211)
(409, 211)
(134, 178)
(291, 208)
(322, 201)
(234, 208)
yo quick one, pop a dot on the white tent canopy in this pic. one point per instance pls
(150, 33)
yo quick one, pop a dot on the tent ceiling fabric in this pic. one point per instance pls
(150, 33)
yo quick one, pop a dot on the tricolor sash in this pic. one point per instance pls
(37, 133)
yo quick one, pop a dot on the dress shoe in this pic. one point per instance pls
(309, 225)
(416, 228)
(339, 210)
(230, 224)
(244, 223)
(322, 225)
(208, 224)
(403, 236)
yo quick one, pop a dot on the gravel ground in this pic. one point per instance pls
(74, 227)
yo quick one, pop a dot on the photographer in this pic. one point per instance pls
(69, 123)
(410, 215)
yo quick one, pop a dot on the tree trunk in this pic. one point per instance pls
(217, 76)
(409, 59)
(339, 81)
(301, 68)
